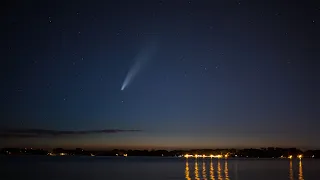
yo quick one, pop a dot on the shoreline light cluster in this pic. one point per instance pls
(227, 155)
(205, 156)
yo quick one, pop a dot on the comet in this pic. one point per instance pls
(140, 60)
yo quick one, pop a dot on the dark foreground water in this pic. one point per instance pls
(150, 168)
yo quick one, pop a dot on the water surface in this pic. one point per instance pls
(154, 168)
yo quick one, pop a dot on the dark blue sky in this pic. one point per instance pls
(223, 73)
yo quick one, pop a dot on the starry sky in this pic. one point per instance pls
(210, 74)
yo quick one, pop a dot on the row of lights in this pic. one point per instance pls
(226, 156)
(299, 156)
(125, 155)
(204, 156)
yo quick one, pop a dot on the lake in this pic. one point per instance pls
(155, 168)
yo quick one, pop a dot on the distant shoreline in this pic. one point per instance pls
(265, 153)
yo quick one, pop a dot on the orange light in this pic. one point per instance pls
(187, 155)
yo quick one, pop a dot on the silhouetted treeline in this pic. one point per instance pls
(270, 152)
(24, 151)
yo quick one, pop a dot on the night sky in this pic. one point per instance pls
(202, 74)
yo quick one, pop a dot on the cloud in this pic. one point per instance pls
(5, 135)
(39, 133)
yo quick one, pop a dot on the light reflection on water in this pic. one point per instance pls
(219, 170)
(290, 170)
(222, 170)
(204, 173)
(145, 168)
(211, 170)
(196, 170)
(187, 171)
(226, 173)
(222, 173)
(300, 170)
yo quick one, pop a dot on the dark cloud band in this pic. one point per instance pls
(35, 133)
